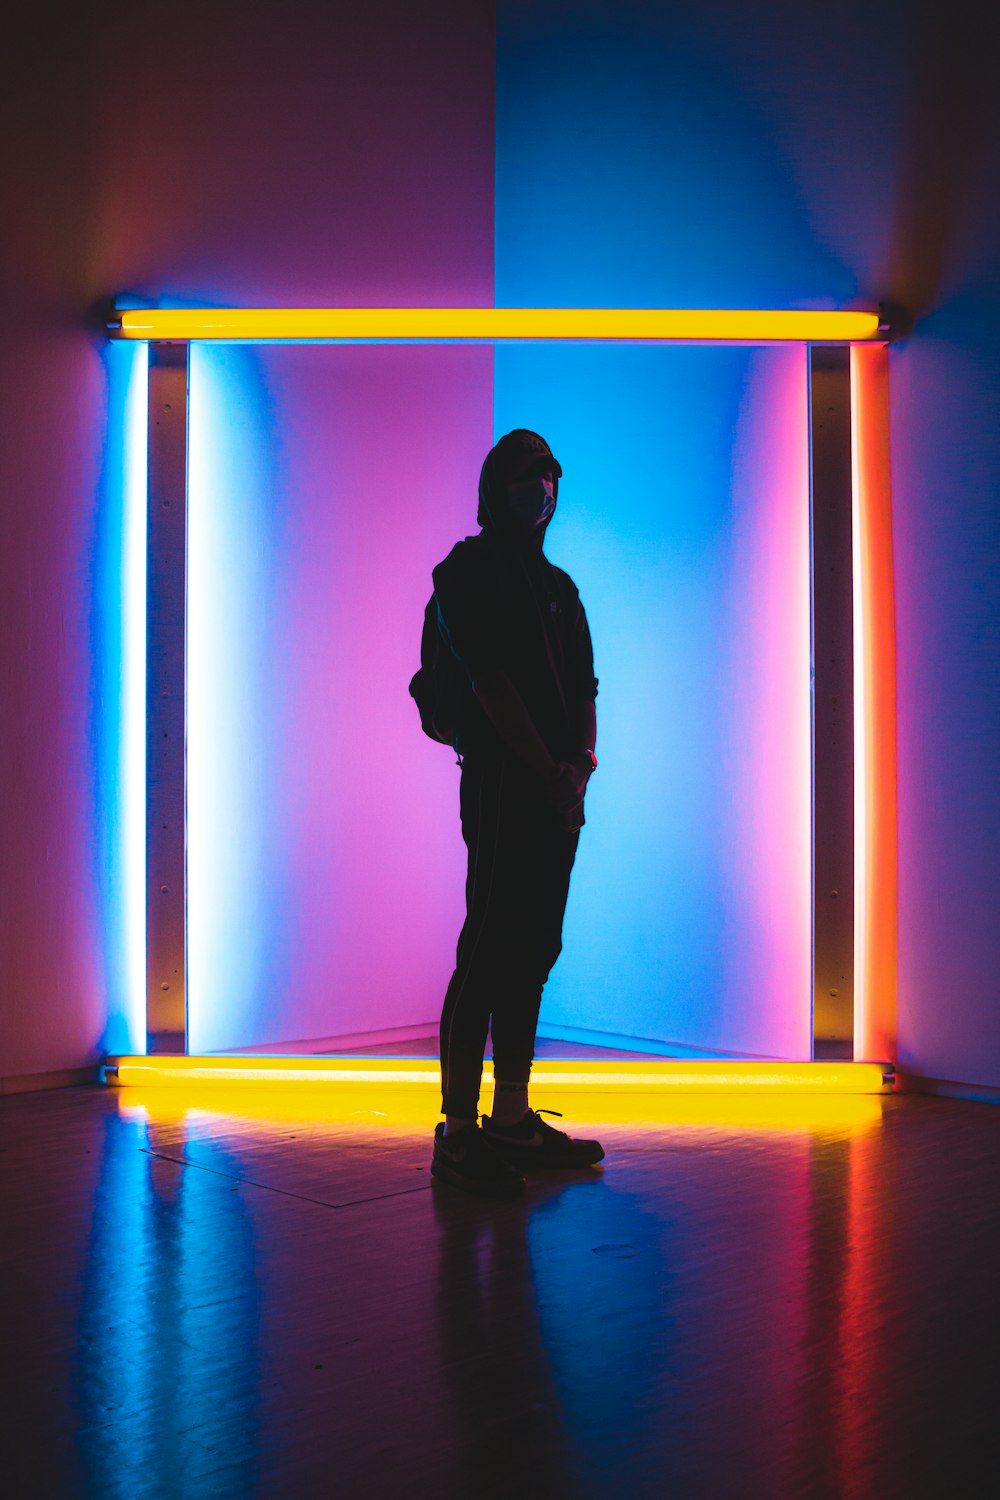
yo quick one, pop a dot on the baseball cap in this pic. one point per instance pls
(523, 453)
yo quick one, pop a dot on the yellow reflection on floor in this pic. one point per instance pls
(417, 1109)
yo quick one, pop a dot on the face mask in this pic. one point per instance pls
(532, 502)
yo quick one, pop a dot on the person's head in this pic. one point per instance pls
(518, 487)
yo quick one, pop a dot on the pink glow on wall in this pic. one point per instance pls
(341, 911)
(771, 856)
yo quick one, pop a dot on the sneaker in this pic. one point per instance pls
(534, 1143)
(464, 1160)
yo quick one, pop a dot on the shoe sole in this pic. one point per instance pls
(536, 1158)
(444, 1172)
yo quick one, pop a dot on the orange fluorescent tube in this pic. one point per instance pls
(875, 728)
(454, 324)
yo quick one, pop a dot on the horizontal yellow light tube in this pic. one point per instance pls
(259, 324)
(655, 1076)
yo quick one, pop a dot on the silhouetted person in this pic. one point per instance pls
(526, 733)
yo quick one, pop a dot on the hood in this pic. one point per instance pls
(518, 455)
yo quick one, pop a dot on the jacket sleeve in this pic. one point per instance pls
(583, 683)
(465, 611)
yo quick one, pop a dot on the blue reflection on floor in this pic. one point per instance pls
(168, 1331)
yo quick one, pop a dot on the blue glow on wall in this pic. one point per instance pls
(635, 168)
(683, 519)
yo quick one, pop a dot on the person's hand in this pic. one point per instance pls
(565, 792)
(571, 778)
(563, 787)
(571, 820)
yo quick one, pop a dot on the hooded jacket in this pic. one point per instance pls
(502, 606)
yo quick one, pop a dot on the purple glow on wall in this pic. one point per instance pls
(342, 911)
(770, 683)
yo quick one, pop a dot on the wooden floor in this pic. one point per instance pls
(202, 1302)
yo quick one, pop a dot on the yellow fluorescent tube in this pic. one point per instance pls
(660, 1074)
(258, 324)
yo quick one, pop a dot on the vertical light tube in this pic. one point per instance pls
(861, 709)
(876, 856)
(132, 790)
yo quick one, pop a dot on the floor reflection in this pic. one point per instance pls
(168, 1329)
(278, 1302)
(272, 1292)
(415, 1109)
(505, 1406)
(591, 1338)
(242, 1296)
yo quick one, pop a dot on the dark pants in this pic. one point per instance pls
(519, 868)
